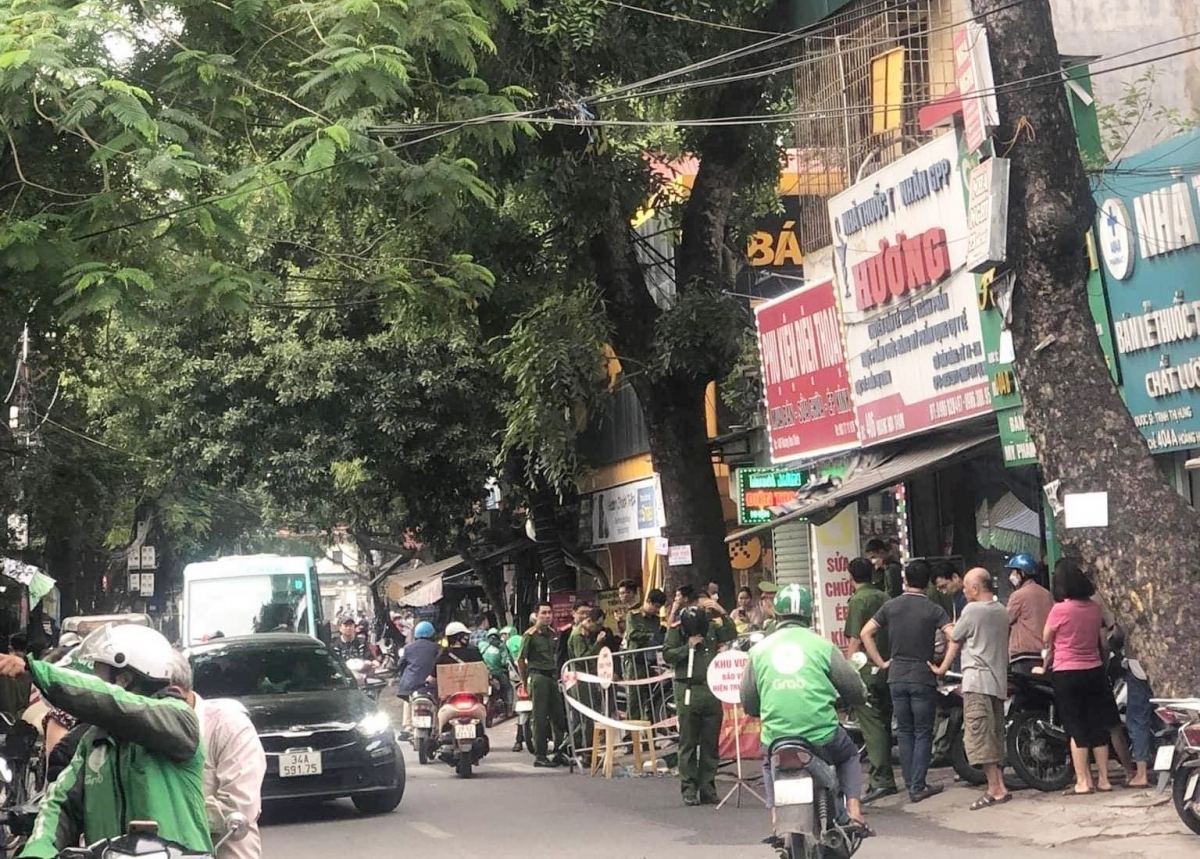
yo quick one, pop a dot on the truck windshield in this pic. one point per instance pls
(243, 605)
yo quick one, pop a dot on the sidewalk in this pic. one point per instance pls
(1135, 823)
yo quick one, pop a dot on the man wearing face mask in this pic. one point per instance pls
(1028, 606)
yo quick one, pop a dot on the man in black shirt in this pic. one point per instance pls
(911, 622)
(458, 647)
(348, 644)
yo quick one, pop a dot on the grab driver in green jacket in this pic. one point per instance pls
(792, 683)
(142, 760)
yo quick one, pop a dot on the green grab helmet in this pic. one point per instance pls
(508, 630)
(794, 601)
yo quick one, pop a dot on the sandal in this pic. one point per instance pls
(987, 801)
(1073, 792)
(860, 826)
(774, 840)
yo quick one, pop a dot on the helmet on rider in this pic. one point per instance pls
(508, 630)
(456, 631)
(794, 602)
(132, 656)
(693, 620)
(424, 630)
(1024, 562)
(492, 633)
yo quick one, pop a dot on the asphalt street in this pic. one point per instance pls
(512, 810)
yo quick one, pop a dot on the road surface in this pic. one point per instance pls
(512, 811)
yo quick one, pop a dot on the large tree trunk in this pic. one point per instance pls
(1146, 559)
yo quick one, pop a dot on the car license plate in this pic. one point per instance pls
(295, 764)
(794, 791)
(1163, 758)
(524, 707)
(464, 732)
(422, 721)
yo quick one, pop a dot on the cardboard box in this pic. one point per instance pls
(465, 677)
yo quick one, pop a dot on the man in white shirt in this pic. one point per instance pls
(234, 764)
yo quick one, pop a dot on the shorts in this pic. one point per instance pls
(983, 728)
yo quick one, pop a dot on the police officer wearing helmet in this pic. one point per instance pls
(695, 637)
(793, 682)
(141, 760)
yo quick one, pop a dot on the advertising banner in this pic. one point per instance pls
(805, 383)
(1148, 223)
(632, 511)
(913, 342)
(834, 546)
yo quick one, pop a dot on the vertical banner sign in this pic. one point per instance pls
(913, 342)
(987, 214)
(1148, 222)
(834, 546)
(973, 72)
(805, 383)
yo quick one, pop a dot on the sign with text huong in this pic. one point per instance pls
(1148, 228)
(805, 383)
(913, 342)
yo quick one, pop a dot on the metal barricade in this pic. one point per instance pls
(637, 707)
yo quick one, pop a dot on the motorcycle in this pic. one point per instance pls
(809, 806)
(462, 741)
(523, 707)
(1180, 761)
(1037, 745)
(364, 673)
(140, 841)
(424, 710)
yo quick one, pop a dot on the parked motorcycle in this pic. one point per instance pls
(462, 741)
(424, 711)
(809, 805)
(1038, 747)
(1181, 760)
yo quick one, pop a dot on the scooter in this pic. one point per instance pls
(424, 711)
(462, 741)
(1180, 761)
(364, 673)
(809, 806)
(140, 841)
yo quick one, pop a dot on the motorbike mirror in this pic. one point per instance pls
(237, 827)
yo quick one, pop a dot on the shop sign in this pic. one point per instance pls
(976, 86)
(913, 344)
(1147, 221)
(629, 512)
(805, 383)
(774, 263)
(834, 546)
(760, 489)
(987, 214)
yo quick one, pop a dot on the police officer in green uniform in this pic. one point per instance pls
(701, 629)
(875, 716)
(642, 629)
(587, 640)
(538, 668)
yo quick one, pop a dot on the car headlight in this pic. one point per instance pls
(374, 724)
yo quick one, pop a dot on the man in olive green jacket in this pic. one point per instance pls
(142, 760)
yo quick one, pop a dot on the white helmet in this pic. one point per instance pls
(457, 628)
(131, 646)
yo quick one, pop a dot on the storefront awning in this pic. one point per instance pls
(401, 586)
(874, 469)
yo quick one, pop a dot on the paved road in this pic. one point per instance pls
(512, 810)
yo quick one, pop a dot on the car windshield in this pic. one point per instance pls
(240, 672)
(241, 605)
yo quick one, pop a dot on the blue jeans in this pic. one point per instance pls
(915, 706)
(1138, 713)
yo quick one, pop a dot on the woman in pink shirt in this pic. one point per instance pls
(1074, 638)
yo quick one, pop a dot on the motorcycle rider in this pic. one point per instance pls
(458, 647)
(415, 668)
(792, 682)
(349, 644)
(142, 760)
(495, 656)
